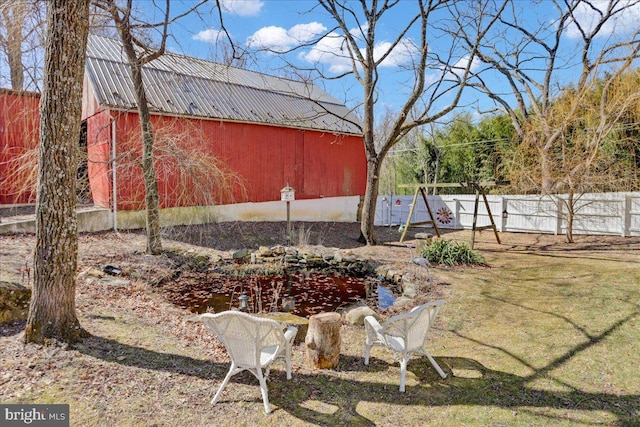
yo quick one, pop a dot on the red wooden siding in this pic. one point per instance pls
(98, 157)
(19, 123)
(263, 158)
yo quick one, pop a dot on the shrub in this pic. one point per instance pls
(451, 253)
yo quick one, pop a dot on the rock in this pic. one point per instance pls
(291, 251)
(14, 302)
(94, 275)
(349, 257)
(392, 275)
(409, 289)
(403, 301)
(313, 261)
(241, 254)
(92, 272)
(290, 320)
(278, 250)
(356, 315)
(264, 252)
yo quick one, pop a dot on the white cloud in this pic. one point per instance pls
(271, 37)
(461, 65)
(401, 54)
(242, 7)
(588, 18)
(279, 39)
(306, 32)
(332, 51)
(210, 35)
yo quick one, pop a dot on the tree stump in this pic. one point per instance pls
(323, 340)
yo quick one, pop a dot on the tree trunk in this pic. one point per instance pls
(369, 203)
(52, 313)
(545, 175)
(323, 341)
(14, 16)
(152, 198)
(570, 216)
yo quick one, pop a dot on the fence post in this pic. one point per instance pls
(457, 213)
(503, 221)
(626, 216)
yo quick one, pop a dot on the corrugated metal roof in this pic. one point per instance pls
(181, 85)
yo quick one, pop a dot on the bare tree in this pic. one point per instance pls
(137, 37)
(529, 57)
(594, 151)
(12, 18)
(430, 97)
(583, 39)
(52, 313)
(21, 30)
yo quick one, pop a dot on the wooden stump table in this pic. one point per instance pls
(323, 340)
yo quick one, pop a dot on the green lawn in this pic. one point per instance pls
(543, 338)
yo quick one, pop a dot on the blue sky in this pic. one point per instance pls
(283, 24)
(280, 25)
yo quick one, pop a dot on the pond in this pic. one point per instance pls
(302, 293)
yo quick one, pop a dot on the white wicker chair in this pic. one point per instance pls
(404, 334)
(253, 343)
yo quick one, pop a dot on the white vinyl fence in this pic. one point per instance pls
(595, 213)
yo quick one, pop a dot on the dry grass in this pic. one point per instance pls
(549, 335)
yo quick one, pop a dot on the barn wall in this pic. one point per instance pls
(252, 162)
(98, 157)
(19, 123)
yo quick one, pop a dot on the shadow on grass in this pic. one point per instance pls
(336, 400)
(329, 399)
(124, 354)
(12, 328)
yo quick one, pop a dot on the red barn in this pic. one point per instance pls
(19, 124)
(223, 134)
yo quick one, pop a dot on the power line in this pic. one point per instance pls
(460, 144)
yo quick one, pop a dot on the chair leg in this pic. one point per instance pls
(287, 361)
(435, 364)
(403, 370)
(264, 391)
(367, 349)
(224, 384)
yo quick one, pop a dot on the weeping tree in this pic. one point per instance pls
(144, 42)
(52, 313)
